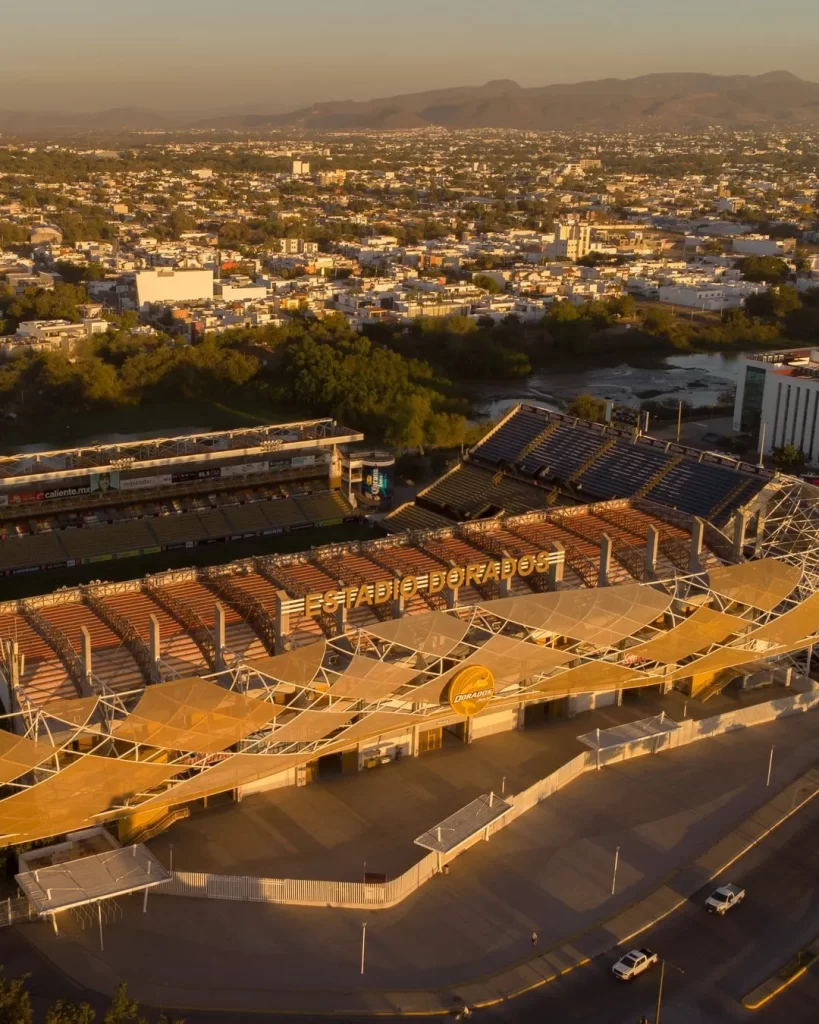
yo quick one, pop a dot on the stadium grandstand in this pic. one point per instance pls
(535, 458)
(125, 701)
(85, 505)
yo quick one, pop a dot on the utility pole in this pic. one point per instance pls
(614, 875)
(770, 766)
(363, 943)
(679, 420)
(762, 426)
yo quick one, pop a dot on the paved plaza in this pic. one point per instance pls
(550, 871)
(329, 829)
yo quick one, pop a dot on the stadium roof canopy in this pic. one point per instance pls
(175, 449)
(194, 715)
(545, 631)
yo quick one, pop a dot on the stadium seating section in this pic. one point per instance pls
(129, 530)
(117, 617)
(473, 492)
(600, 464)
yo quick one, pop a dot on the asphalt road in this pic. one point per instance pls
(715, 960)
(722, 958)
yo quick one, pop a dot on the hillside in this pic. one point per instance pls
(667, 102)
(664, 101)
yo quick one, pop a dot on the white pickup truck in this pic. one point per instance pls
(633, 963)
(721, 901)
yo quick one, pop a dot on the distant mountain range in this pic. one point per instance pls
(664, 101)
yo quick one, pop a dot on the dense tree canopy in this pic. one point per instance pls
(316, 368)
(764, 268)
(59, 303)
(587, 407)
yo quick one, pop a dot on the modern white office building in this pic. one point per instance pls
(165, 284)
(779, 391)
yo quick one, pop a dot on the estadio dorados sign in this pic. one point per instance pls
(359, 595)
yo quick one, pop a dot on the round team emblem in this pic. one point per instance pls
(471, 690)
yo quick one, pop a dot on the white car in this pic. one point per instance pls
(633, 963)
(721, 901)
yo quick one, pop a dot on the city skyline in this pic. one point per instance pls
(182, 57)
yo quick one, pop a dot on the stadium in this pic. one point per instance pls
(557, 567)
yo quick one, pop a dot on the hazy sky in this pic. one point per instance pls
(260, 55)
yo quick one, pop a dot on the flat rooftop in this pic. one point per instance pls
(175, 448)
(793, 361)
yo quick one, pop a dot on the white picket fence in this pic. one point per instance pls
(361, 895)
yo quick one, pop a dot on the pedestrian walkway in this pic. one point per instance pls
(551, 871)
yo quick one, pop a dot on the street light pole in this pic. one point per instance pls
(770, 766)
(614, 875)
(363, 942)
(660, 989)
(660, 993)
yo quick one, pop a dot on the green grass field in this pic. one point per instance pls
(171, 417)
(31, 584)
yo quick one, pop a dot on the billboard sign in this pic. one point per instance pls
(144, 483)
(83, 486)
(375, 482)
(243, 469)
(195, 474)
(101, 483)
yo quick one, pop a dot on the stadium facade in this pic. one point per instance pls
(128, 700)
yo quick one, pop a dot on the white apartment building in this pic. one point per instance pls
(759, 245)
(163, 284)
(780, 392)
(710, 297)
(240, 289)
(572, 240)
(50, 336)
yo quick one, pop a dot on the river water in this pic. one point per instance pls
(699, 379)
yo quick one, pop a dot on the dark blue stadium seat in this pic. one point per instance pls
(564, 451)
(695, 487)
(699, 488)
(622, 471)
(508, 441)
